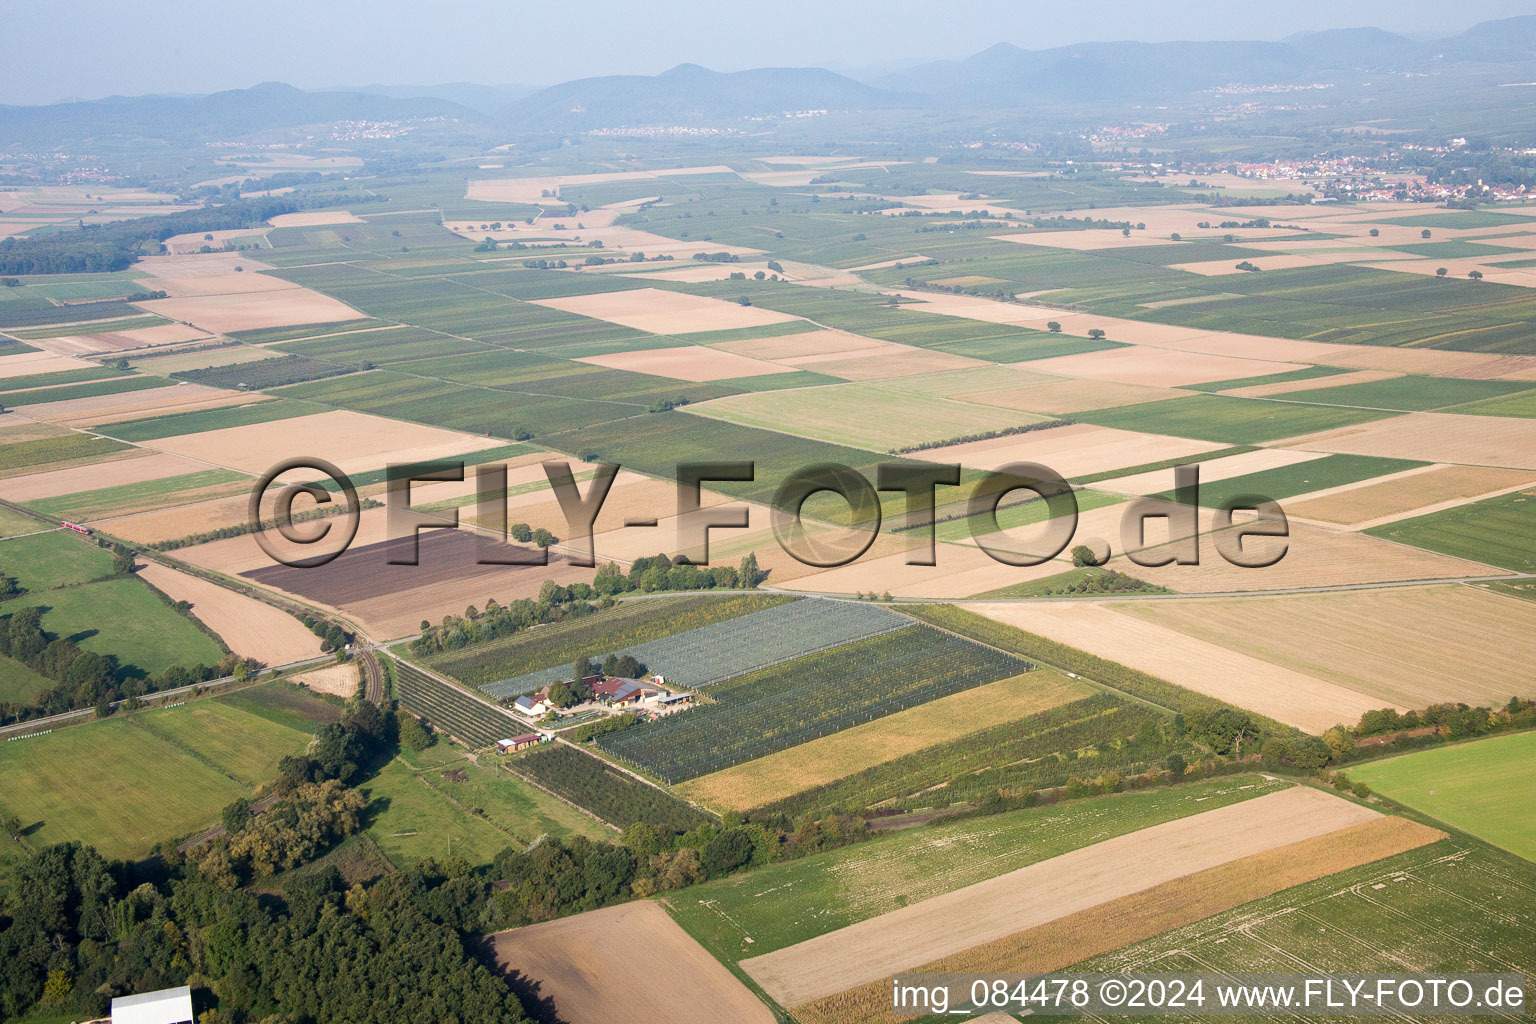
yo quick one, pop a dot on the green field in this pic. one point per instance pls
(420, 812)
(124, 618)
(14, 524)
(126, 498)
(1300, 478)
(1452, 906)
(1224, 418)
(789, 902)
(156, 427)
(1497, 531)
(1522, 404)
(127, 783)
(1467, 219)
(1411, 393)
(1478, 787)
(54, 452)
(57, 559)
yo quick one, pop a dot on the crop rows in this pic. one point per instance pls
(799, 700)
(1085, 738)
(605, 791)
(561, 643)
(266, 373)
(722, 650)
(456, 713)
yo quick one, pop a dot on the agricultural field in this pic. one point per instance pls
(761, 712)
(615, 796)
(787, 903)
(1498, 531)
(471, 721)
(858, 415)
(452, 806)
(1232, 420)
(1372, 641)
(694, 988)
(619, 628)
(1480, 787)
(1455, 905)
(130, 782)
(123, 617)
(959, 920)
(822, 761)
(730, 647)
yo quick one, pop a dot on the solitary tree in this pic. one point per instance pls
(1424, 233)
(1441, 271)
(1096, 333)
(1476, 275)
(1053, 326)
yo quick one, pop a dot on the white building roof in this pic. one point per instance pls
(166, 1006)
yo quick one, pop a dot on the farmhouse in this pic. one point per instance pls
(626, 692)
(535, 705)
(163, 1006)
(516, 743)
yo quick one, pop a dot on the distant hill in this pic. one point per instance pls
(1006, 75)
(689, 93)
(221, 114)
(485, 99)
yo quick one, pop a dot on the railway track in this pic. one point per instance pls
(374, 674)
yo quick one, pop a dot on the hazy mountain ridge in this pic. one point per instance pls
(1002, 76)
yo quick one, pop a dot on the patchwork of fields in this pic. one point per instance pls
(1073, 717)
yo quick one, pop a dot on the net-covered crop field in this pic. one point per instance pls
(610, 794)
(799, 700)
(616, 629)
(449, 710)
(729, 648)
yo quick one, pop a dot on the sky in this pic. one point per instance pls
(85, 49)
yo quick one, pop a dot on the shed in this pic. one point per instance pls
(164, 1006)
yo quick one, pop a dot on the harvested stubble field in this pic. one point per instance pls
(1155, 367)
(1482, 787)
(1040, 893)
(354, 441)
(1315, 557)
(1111, 631)
(1162, 908)
(666, 312)
(1369, 504)
(249, 627)
(862, 415)
(1072, 451)
(688, 362)
(820, 761)
(554, 960)
(145, 466)
(1434, 437)
(1373, 641)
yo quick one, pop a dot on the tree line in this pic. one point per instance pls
(99, 248)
